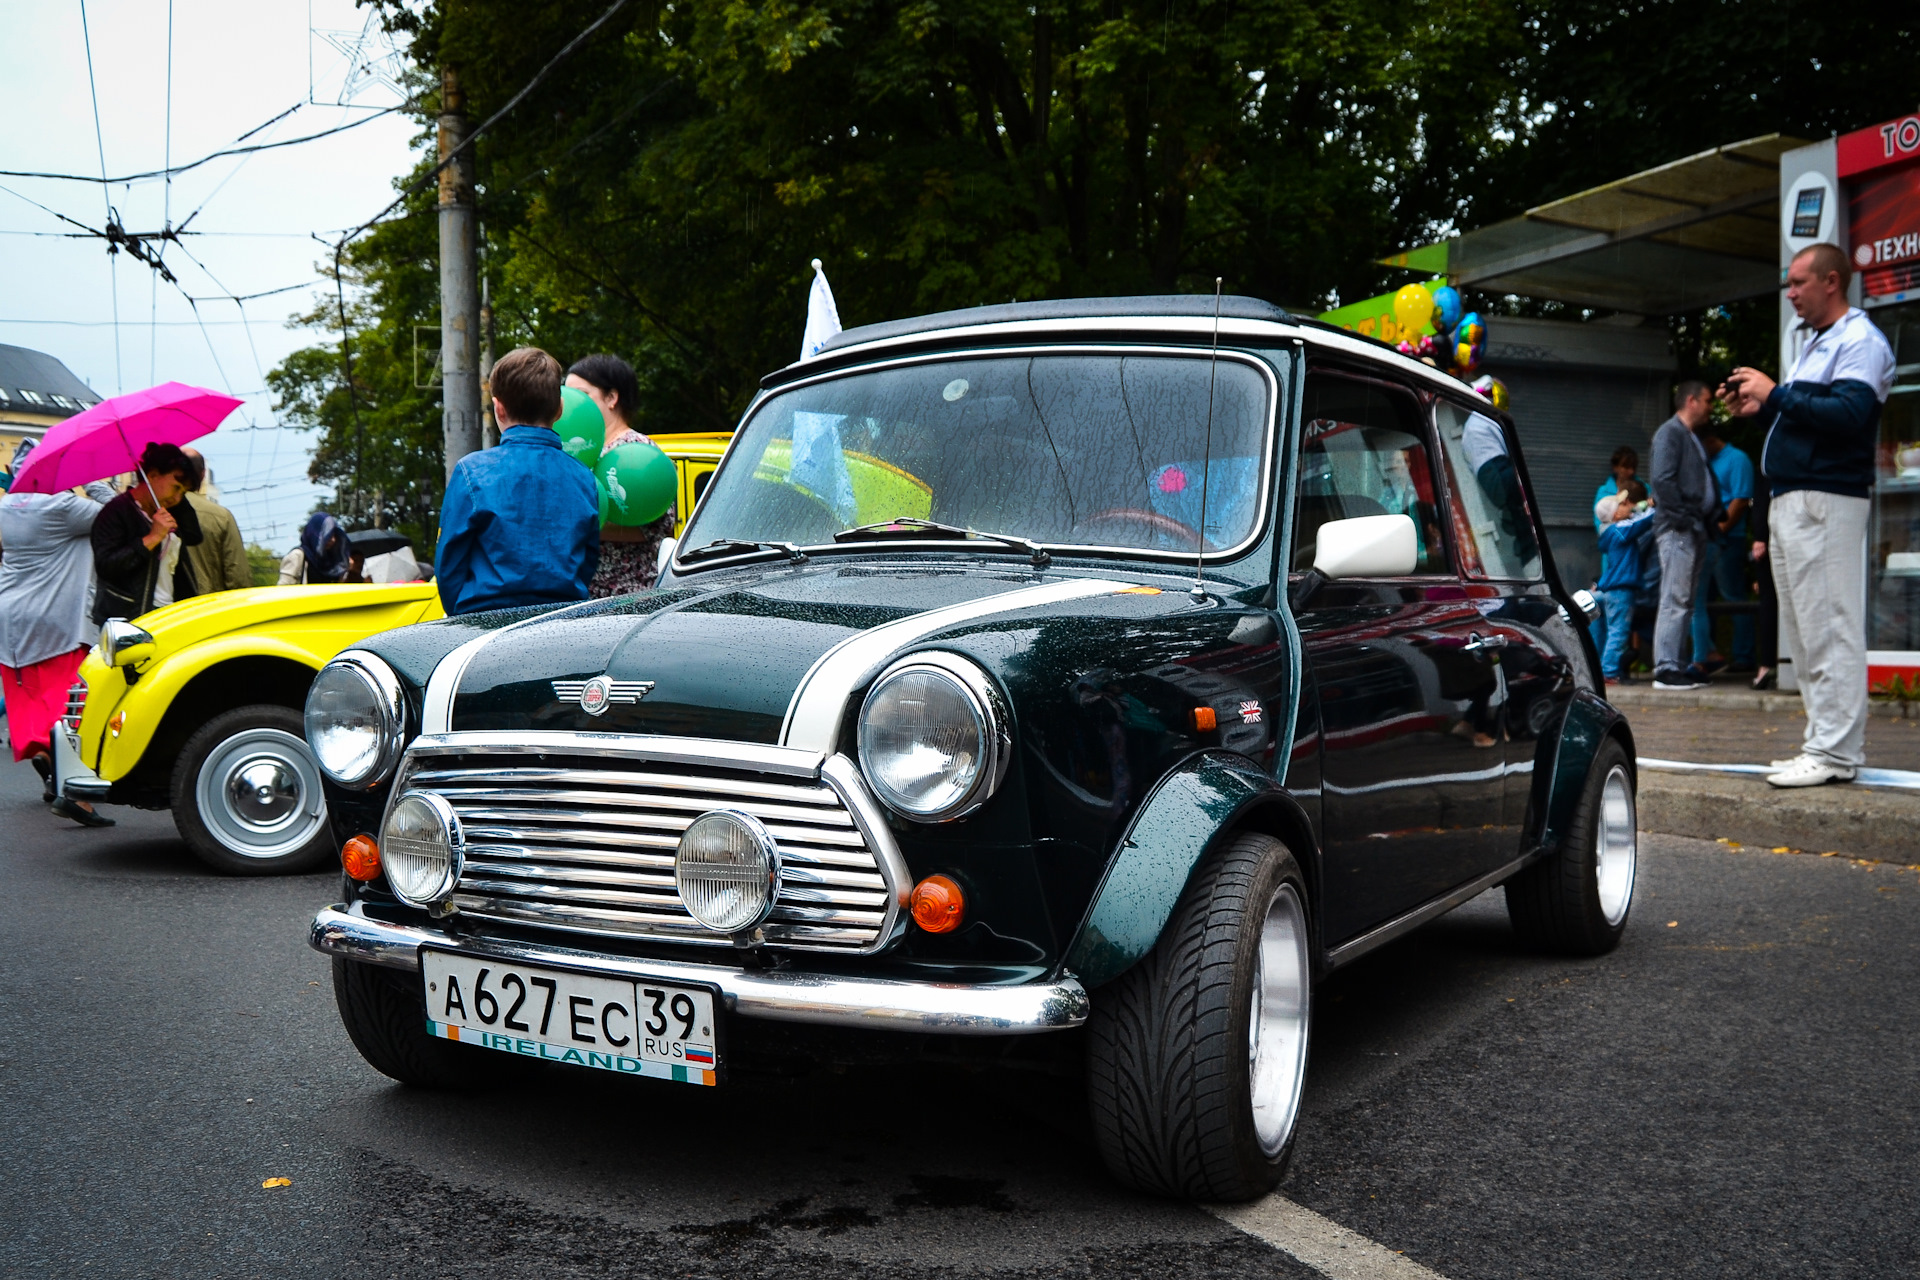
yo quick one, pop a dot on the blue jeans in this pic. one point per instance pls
(1616, 614)
(1725, 575)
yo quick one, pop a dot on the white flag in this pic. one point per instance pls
(823, 318)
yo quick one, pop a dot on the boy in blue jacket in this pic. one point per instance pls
(1622, 542)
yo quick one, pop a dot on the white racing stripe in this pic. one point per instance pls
(1321, 1243)
(813, 716)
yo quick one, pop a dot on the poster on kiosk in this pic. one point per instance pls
(1861, 191)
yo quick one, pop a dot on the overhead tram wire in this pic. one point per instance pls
(99, 138)
(339, 250)
(207, 159)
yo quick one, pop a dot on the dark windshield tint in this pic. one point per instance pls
(1100, 450)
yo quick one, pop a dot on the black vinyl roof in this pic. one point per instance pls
(22, 370)
(1184, 305)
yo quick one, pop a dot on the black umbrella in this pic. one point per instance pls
(377, 542)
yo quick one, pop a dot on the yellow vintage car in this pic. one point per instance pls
(196, 707)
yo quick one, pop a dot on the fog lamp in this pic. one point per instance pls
(727, 870)
(421, 848)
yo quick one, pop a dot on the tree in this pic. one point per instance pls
(380, 440)
(661, 193)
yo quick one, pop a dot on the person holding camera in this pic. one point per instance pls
(1819, 462)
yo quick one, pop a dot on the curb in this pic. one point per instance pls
(1862, 821)
(1635, 697)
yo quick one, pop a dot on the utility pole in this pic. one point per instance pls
(459, 296)
(489, 429)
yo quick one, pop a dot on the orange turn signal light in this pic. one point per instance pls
(937, 904)
(360, 857)
(1205, 720)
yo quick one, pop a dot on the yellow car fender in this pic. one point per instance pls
(303, 626)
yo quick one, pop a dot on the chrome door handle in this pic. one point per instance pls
(1477, 643)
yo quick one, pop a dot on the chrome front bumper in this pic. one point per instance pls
(777, 995)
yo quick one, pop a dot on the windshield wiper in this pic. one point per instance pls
(914, 527)
(725, 546)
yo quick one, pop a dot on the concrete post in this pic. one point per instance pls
(459, 293)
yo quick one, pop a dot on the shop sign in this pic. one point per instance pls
(1878, 145)
(1884, 226)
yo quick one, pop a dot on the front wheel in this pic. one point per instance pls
(1575, 900)
(386, 1018)
(1197, 1055)
(246, 794)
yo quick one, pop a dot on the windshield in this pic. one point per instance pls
(1090, 450)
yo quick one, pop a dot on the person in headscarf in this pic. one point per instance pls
(324, 555)
(43, 619)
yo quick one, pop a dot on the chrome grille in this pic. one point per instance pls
(587, 845)
(76, 704)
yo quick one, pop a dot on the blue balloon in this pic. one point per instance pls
(1446, 308)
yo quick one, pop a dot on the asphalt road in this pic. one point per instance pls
(1732, 1094)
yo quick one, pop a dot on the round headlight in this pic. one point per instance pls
(727, 870)
(354, 720)
(420, 848)
(932, 742)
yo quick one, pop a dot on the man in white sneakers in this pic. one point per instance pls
(1819, 463)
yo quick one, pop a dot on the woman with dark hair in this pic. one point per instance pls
(130, 538)
(629, 557)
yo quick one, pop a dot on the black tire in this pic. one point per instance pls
(270, 741)
(1169, 1077)
(1575, 901)
(386, 1018)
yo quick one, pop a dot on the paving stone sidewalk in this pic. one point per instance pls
(1677, 726)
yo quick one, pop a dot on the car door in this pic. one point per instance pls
(1410, 767)
(1497, 546)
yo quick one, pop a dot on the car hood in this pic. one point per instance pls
(203, 617)
(761, 657)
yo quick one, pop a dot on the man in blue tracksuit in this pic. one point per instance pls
(521, 522)
(1819, 462)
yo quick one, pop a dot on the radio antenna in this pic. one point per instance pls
(1199, 593)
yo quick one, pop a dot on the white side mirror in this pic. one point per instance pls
(1367, 547)
(666, 554)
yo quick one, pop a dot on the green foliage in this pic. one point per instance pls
(265, 564)
(380, 445)
(659, 195)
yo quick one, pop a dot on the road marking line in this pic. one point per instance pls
(1321, 1243)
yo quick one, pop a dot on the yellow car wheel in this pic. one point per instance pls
(247, 797)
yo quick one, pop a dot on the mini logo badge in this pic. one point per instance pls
(1250, 713)
(601, 692)
(594, 698)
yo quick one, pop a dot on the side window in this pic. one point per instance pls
(1491, 524)
(1362, 453)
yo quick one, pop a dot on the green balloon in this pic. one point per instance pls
(606, 505)
(640, 483)
(582, 428)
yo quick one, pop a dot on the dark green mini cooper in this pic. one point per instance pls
(1093, 676)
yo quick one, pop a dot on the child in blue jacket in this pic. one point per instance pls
(1622, 541)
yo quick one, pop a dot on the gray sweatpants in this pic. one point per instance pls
(1680, 564)
(1818, 542)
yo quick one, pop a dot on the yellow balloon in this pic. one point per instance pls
(1413, 308)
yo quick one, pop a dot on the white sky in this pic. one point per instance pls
(236, 64)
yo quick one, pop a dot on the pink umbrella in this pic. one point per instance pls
(107, 439)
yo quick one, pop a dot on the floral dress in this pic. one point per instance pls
(631, 566)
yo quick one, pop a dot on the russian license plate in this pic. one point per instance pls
(636, 1028)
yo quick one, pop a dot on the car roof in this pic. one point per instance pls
(1189, 315)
